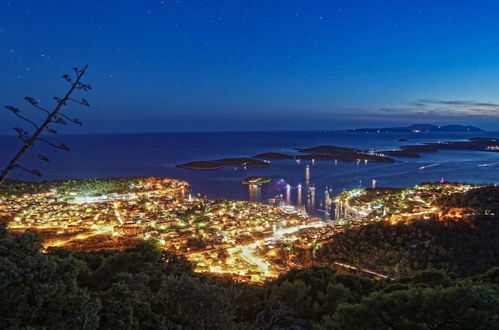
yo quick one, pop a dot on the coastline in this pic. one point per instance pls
(158, 155)
(191, 227)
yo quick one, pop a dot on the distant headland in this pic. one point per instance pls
(417, 128)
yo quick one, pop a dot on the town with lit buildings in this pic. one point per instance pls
(244, 240)
(217, 236)
(396, 204)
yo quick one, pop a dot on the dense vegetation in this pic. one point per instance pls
(143, 288)
(399, 250)
(89, 187)
(484, 199)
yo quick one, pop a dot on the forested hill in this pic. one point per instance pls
(465, 246)
(143, 288)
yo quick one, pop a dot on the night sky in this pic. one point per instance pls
(255, 65)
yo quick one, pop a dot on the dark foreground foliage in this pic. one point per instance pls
(466, 248)
(143, 288)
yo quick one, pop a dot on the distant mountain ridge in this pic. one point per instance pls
(421, 128)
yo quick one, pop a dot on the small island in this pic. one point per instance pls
(202, 165)
(324, 152)
(220, 163)
(328, 152)
(273, 155)
(256, 180)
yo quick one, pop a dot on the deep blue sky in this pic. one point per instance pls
(235, 64)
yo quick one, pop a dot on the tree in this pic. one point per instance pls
(192, 303)
(278, 317)
(309, 293)
(53, 117)
(123, 308)
(40, 291)
(456, 307)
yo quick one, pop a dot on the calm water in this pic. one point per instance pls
(157, 154)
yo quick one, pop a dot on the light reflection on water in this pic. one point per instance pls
(255, 192)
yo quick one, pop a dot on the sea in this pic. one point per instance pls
(303, 184)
